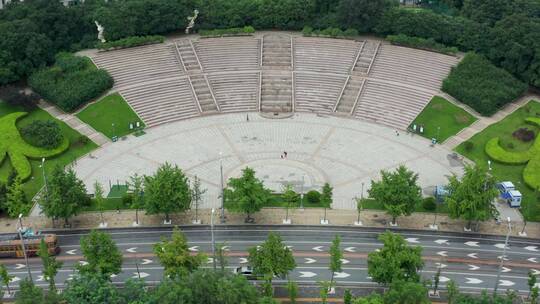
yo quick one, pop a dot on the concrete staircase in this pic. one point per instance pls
(276, 92)
(350, 95)
(277, 51)
(203, 93)
(365, 57)
(188, 56)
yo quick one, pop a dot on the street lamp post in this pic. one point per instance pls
(213, 241)
(302, 194)
(43, 173)
(502, 257)
(24, 248)
(222, 216)
(438, 133)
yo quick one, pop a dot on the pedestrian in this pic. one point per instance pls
(285, 154)
(247, 117)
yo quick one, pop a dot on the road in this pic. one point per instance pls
(470, 260)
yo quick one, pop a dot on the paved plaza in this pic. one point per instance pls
(346, 153)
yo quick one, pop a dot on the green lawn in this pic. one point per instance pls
(76, 149)
(504, 130)
(444, 114)
(112, 109)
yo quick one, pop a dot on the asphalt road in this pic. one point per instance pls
(469, 259)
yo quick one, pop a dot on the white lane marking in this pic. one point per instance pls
(83, 263)
(226, 248)
(473, 267)
(440, 242)
(472, 244)
(412, 240)
(500, 245)
(142, 274)
(531, 248)
(443, 279)
(473, 255)
(535, 271)
(504, 257)
(441, 265)
(505, 269)
(40, 278)
(14, 279)
(132, 249)
(146, 261)
(19, 266)
(318, 248)
(193, 248)
(350, 249)
(532, 260)
(506, 283)
(443, 253)
(310, 260)
(210, 261)
(344, 261)
(341, 275)
(307, 274)
(473, 281)
(243, 260)
(72, 251)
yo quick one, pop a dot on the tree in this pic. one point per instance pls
(136, 183)
(50, 266)
(347, 297)
(16, 199)
(452, 291)
(290, 198)
(221, 256)
(99, 199)
(271, 258)
(324, 288)
(246, 194)
(531, 281)
(471, 197)
(5, 277)
(101, 253)
(292, 290)
(395, 260)
(3, 196)
(66, 195)
(167, 191)
(90, 288)
(336, 256)
(398, 191)
(534, 295)
(175, 257)
(372, 299)
(362, 14)
(326, 198)
(406, 292)
(29, 293)
(436, 280)
(196, 195)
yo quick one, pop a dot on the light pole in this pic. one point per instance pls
(502, 257)
(222, 216)
(24, 248)
(213, 241)
(438, 132)
(43, 173)
(302, 194)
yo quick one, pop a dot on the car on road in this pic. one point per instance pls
(246, 271)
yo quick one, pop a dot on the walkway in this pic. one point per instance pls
(75, 123)
(484, 122)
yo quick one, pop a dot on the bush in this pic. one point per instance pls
(307, 31)
(468, 145)
(429, 204)
(81, 141)
(45, 134)
(421, 43)
(72, 82)
(524, 134)
(350, 32)
(495, 151)
(15, 97)
(130, 42)
(329, 32)
(313, 197)
(235, 31)
(127, 200)
(484, 87)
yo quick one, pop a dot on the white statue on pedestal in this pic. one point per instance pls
(192, 20)
(100, 29)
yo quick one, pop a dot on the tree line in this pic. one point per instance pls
(506, 32)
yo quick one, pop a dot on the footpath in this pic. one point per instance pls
(274, 216)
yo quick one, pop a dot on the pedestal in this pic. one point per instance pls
(287, 221)
(196, 222)
(466, 229)
(433, 227)
(435, 294)
(332, 290)
(522, 233)
(324, 222)
(135, 224)
(103, 225)
(358, 223)
(165, 222)
(393, 224)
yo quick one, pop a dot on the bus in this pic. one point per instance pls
(10, 244)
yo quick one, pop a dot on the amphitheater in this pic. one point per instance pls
(336, 106)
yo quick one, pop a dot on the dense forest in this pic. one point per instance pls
(507, 32)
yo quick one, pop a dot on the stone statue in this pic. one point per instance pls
(192, 20)
(100, 29)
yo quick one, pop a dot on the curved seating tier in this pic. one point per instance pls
(411, 66)
(235, 92)
(140, 64)
(219, 54)
(391, 105)
(325, 55)
(163, 101)
(317, 92)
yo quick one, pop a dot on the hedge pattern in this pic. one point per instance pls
(481, 85)
(130, 42)
(421, 43)
(236, 31)
(329, 32)
(13, 145)
(71, 82)
(531, 157)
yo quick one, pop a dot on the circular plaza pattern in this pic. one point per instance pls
(346, 153)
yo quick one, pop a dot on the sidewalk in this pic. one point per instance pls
(274, 216)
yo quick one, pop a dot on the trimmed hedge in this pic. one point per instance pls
(478, 83)
(12, 144)
(421, 43)
(235, 31)
(329, 32)
(130, 42)
(496, 152)
(71, 82)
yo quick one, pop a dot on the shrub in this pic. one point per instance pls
(72, 82)
(81, 141)
(350, 32)
(496, 152)
(127, 200)
(130, 42)
(307, 31)
(329, 32)
(40, 133)
(313, 197)
(479, 84)
(468, 145)
(524, 134)
(15, 97)
(429, 204)
(421, 43)
(235, 31)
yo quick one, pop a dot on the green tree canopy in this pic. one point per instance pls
(362, 14)
(395, 260)
(29, 293)
(336, 256)
(90, 288)
(16, 201)
(398, 191)
(50, 265)
(246, 194)
(101, 253)
(175, 257)
(167, 191)
(470, 198)
(406, 292)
